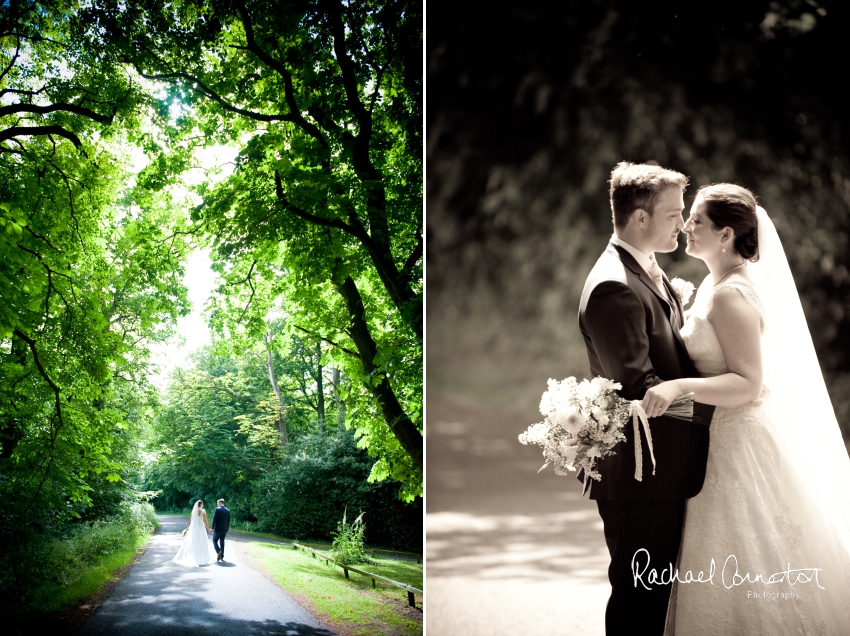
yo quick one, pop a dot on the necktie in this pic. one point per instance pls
(657, 277)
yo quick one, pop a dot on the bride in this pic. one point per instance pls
(766, 543)
(195, 549)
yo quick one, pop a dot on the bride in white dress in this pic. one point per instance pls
(766, 543)
(195, 550)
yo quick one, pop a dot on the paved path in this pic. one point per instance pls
(161, 597)
(509, 551)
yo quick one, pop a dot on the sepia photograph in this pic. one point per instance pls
(638, 318)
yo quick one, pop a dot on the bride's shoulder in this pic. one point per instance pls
(737, 296)
(743, 285)
(732, 300)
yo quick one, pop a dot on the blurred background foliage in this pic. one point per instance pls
(531, 106)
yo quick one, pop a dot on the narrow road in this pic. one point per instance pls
(163, 598)
(510, 551)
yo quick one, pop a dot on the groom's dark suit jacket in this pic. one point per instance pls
(632, 337)
(221, 520)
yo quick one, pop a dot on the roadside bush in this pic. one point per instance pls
(348, 547)
(91, 541)
(321, 477)
(39, 565)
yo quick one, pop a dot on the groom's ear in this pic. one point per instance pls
(641, 217)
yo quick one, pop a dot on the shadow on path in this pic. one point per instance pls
(162, 597)
(506, 545)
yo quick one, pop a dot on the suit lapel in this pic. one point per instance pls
(630, 262)
(674, 315)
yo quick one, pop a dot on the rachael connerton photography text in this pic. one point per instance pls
(730, 574)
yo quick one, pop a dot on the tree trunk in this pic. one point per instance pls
(320, 387)
(398, 421)
(283, 436)
(340, 405)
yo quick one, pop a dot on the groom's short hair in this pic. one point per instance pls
(221, 502)
(638, 185)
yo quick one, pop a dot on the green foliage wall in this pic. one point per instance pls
(322, 477)
(35, 565)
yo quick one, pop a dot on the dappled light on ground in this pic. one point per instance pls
(506, 545)
(159, 596)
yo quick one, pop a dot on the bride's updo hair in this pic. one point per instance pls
(730, 205)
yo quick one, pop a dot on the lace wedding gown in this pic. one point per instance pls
(752, 518)
(195, 549)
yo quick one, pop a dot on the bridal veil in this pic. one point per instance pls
(798, 404)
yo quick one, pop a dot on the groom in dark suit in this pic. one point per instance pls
(220, 526)
(630, 318)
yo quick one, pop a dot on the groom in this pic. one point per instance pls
(630, 318)
(220, 526)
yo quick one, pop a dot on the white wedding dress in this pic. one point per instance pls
(196, 549)
(754, 516)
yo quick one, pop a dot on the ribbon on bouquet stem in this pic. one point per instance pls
(639, 415)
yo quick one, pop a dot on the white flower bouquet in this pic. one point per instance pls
(584, 421)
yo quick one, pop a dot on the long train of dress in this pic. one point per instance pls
(196, 549)
(777, 566)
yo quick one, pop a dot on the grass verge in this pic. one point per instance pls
(351, 606)
(174, 511)
(87, 581)
(84, 568)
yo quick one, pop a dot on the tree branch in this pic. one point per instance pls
(67, 181)
(11, 109)
(37, 131)
(203, 89)
(43, 238)
(415, 255)
(13, 60)
(379, 383)
(330, 342)
(400, 292)
(253, 291)
(16, 91)
(312, 218)
(289, 91)
(324, 121)
(228, 391)
(349, 79)
(43, 372)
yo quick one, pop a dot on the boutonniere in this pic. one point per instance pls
(684, 290)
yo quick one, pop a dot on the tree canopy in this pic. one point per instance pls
(106, 110)
(87, 281)
(323, 209)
